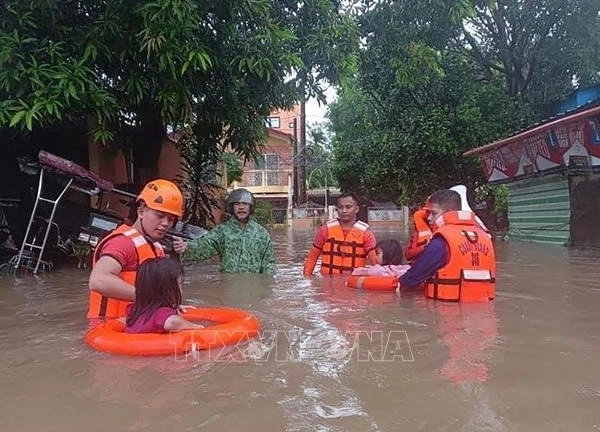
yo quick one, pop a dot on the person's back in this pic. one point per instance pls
(470, 270)
(460, 254)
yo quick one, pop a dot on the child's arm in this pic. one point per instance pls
(176, 323)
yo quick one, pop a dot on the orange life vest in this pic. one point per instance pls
(470, 273)
(342, 254)
(108, 307)
(420, 236)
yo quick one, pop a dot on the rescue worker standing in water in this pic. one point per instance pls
(421, 233)
(119, 254)
(243, 245)
(343, 243)
(459, 262)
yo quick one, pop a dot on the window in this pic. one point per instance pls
(268, 161)
(551, 140)
(267, 165)
(272, 161)
(273, 122)
(595, 125)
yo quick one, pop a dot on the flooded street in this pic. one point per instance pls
(328, 359)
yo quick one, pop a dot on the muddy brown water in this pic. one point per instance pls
(328, 358)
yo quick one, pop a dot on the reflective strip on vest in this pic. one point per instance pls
(470, 272)
(342, 254)
(101, 306)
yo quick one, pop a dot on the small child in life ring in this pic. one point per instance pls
(389, 261)
(158, 299)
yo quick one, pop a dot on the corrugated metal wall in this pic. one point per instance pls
(539, 209)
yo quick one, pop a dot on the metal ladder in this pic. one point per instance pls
(31, 252)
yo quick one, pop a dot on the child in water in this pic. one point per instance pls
(389, 261)
(157, 298)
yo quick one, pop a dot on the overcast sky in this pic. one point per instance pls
(316, 113)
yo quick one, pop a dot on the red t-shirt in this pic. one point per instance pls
(322, 236)
(122, 249)
(152, 322)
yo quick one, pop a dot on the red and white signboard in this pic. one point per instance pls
(570, 141)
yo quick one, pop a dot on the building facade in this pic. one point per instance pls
(552, 171)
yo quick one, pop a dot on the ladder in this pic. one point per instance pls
(31, 253)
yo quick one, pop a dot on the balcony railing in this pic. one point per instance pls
(258, 178)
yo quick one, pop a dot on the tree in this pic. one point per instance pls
(129, 68)
(318, 157)
(538, 46)
(422, 95)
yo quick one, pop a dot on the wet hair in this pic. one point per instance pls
(156, 286)
(447, 199)
(349, 195)
(392, 252)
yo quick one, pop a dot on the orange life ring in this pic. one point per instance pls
(373, 283)
(233, 326)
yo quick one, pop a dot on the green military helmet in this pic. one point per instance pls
(241, 196)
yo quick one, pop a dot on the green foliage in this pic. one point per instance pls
(129, 68)
(495, 194)
(538, 47)
(234, 167)
(199, 183)
(426, 91)
(319, 157)
(263, 213)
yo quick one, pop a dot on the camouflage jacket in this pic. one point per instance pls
(241, 249)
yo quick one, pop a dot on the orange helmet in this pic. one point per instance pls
(164, 196)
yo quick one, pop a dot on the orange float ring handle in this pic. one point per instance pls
(232, 326)
(373, 283)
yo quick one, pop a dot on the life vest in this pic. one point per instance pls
(470, 273)
(342, 254)
(108, 307)
(420, 236)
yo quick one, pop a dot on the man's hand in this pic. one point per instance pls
(179, 245)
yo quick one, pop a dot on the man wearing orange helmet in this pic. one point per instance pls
(118, 255)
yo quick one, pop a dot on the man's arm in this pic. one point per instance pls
(105, 280)
(370, 247)
(268, 261)
(178, 244)
(372, 257)
(315, 251)
(311, 261)
(434, 257)
(205, 247)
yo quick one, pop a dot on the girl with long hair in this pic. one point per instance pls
(158, 298)
(389, 261)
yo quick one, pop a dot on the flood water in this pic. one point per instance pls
(328, 358)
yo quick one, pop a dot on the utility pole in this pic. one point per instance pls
(302, 155)
(295, 164)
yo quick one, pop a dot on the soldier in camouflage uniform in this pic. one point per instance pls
(243, 245)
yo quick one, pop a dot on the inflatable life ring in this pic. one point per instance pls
(232, 326)
(373, 283)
